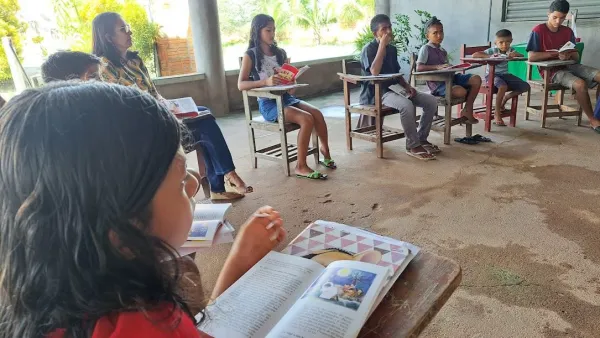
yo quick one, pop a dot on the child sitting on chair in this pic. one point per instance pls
(67, 65)
(433, 57)
(259, 68)
(545, 41)
(503, 81)
(381, 57)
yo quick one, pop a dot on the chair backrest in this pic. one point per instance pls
(470, 50)
(413, 68)
(571, 21)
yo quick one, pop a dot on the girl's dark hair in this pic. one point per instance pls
(258, 23)
(80, 163)
(434, 21)
(103, 25)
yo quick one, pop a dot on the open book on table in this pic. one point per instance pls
(326, 283)
(209, 228)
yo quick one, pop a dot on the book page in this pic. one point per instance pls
(183, 105)
(336, 305)
(256, 302)
(203, 230)
(211, 212)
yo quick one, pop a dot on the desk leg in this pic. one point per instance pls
(448, 111)
(378, 121)
(489, 102)
(545, 96)
(348, 116)
(283, 136)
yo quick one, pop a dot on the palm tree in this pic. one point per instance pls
(315, 15)
(280, 11)
(352, 11)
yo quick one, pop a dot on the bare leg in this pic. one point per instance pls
(237, 183)
(475, 83)
(320, 127)
(461, 92)
(306, 122)
(583, 98)
(500, 102)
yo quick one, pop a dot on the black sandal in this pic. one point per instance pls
(466, 140)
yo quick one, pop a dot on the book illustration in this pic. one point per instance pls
(198, 230)
(330, 255)
(326, 244)
(342, 286)
(289, 74)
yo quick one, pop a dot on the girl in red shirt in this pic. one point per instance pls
(94, 195)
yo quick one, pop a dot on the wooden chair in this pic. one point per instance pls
(488, 90)
(283, 152)
(442, 125)
(546, 110)
(378, 133)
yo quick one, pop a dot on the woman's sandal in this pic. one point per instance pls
(329, 163)
(315, 175)
(230, 186)
(432, 148)
(421, 155)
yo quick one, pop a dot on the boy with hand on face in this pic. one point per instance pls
(503, 80)
(545, 41)
(433, 57)
(381, 57)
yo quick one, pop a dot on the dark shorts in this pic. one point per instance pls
(514, 83)
(458, 80)
(268, 107)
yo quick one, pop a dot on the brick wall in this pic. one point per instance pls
(175, 56)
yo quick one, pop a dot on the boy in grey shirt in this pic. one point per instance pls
(503, 81)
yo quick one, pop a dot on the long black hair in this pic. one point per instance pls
(258, 23)
(79, 166)
(103, 26)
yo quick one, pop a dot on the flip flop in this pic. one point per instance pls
(499, 124)
(481, 138)
(432, 148)
(466, 140)
(596, 129)
(420, 156)
(329, 163)
(315, 175)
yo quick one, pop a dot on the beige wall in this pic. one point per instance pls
(322, 78)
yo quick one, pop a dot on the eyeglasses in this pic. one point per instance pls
(126, 29)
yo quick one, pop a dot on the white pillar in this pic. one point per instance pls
(383, 7)
(206, 36)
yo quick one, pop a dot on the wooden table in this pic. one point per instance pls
(489, 91)
(417, 296)
(446, 76)
(377, 132)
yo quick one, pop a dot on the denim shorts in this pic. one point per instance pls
(268, 107)
(458, 80)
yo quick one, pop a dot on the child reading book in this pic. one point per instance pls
(94, 198)
(432, 57)
(503, 81)
(260, 65)
(546, 40)
(381, 57)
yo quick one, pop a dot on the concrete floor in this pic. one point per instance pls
(520, 215)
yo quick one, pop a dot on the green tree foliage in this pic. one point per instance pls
(352, 11)
(315, 15)
(75, 23)
(10, 26)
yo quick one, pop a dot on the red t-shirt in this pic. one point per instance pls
(156, 324)
(543, 39)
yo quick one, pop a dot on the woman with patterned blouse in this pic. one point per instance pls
(111, 42)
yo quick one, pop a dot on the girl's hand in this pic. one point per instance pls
(261, 233)
(273, 80)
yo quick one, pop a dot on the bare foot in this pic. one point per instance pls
(235, 183)
(595, 122)
(325, 152)
(468, 113)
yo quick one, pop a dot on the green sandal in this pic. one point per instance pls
(315, 175)
(329, 163)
